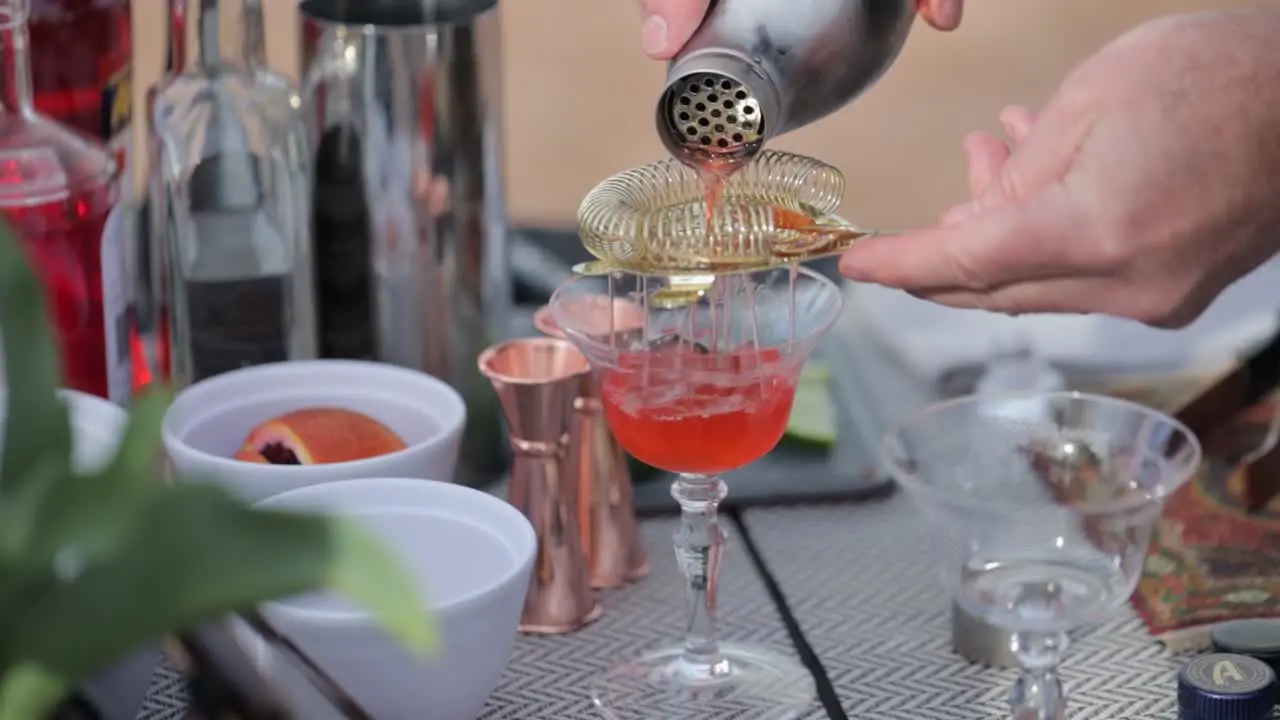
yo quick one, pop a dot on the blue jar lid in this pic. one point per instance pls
(1226, 687)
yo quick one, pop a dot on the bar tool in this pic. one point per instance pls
(536, 381)
(659, 219)
(409, 232)
(756, 69)
(598, 464)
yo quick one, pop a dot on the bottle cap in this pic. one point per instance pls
(1258, 638)
(1226, 687)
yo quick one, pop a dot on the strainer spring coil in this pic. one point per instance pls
(654, 216)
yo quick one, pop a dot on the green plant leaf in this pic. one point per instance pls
(28, 691)
(198, 554)
(37, 431)
(136, 462)
(89, 517)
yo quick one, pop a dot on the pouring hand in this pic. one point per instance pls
(668, 24)
(1146, 186)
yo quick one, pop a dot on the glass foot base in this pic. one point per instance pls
(748, 684)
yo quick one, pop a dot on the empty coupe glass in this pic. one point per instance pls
(1040, 523)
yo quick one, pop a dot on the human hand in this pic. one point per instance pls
(1148, 184)
(668, 24)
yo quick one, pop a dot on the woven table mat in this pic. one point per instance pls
(864, 587)
(550, 677)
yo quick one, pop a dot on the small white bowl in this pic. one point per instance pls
(209, 421)
(470, 554)
(97, 426)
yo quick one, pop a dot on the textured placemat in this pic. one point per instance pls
(549, 677)
(862, 583)
(1210, 561)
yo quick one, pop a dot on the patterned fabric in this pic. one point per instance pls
(549, 677)
(1210, 561)
(863, 584)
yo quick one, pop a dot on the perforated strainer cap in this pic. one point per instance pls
(775, 209)
(714, 113)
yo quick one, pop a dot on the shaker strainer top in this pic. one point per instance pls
(713, 112)
(774, 210)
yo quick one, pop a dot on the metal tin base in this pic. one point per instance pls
(977, 641)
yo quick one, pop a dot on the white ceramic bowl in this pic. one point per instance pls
(208, 421)
(96, 429)
(470, 553)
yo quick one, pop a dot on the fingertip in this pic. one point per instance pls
(942, 14)
(1018, 121)
(669, 24)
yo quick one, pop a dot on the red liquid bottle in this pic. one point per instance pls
(57, 192)
(80, 66)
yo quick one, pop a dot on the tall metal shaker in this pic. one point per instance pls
(756, 69)
(409, 220)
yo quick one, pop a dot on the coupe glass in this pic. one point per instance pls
(1040, 520)
(700, 383)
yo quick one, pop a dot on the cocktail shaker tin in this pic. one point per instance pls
(409, 222)
(756, 69)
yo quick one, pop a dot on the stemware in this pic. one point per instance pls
(1040, 523)
(699, 387)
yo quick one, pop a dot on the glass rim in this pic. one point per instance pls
(589, 345)
(1128, 502)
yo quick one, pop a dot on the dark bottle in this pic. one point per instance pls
(58, 191)
(342, 247)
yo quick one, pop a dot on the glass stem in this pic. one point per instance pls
(699, 544)
(1038, 693)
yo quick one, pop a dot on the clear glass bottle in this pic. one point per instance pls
(58, 191)
(231, 205)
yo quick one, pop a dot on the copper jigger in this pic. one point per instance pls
(537, 380)
(606, 512)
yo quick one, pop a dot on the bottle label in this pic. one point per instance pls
(115, 308)
(117, 111)
(236, 323)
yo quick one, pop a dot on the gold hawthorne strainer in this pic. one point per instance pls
(775, 210)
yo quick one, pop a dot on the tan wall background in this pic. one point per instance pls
(579, 99)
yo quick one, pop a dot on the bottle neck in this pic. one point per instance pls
(15, 59)
(226, 33)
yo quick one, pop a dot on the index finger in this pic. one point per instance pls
(993, 247)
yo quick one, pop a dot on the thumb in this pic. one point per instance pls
(668, 25)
